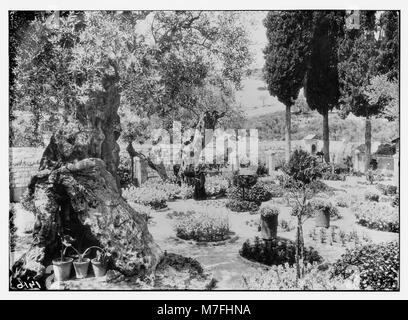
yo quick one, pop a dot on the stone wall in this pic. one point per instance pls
(23, 163)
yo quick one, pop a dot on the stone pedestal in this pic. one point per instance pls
(270, 162)
(140, 172)
(396, 170)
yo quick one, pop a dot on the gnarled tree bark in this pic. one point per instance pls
(76, 192)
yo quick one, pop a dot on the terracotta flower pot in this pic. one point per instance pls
(269, 227)
(62, 269)
(322, 219)
(98, 268)
(81, 268)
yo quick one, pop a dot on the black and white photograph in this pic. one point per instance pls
(204, 150)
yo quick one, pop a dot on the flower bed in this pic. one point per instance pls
(371, 196)
(146, 196)
(203, 227)
(387, 189)
(275, 252)
(377, 265)
(172, 190)
(283, 277)
(379, 216)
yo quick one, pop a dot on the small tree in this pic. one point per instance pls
(301, 170)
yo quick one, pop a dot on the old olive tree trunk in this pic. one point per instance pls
(76, 192)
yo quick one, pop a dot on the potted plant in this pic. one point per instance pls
(100, 262)
(81, 265)
(269, 222)
(62, 265)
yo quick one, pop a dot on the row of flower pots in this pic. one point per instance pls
(63, 265)
(62, 269)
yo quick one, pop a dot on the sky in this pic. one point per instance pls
(257, 33)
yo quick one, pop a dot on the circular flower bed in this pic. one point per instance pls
(203, 227)
(379, 216)
(275, 252)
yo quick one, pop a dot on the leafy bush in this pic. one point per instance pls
(370, 196)
(200, 226)
(376, 264)
(242, 205)
(257, 193)
(275, 252)
(216, 185)
(283, 277)
(342, 201)
(262, 170)
(379, 216)
(387, 189)
(124, 172)
(286, 226)
(303, 167)
(275, 190)
(395, 201)
(146, 196)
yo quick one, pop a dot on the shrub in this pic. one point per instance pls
(286, 226)
(379, 216)
(387, 189)
(242, 205)
(275, 190)
(124, 172)
(395, 201)
(262, 170)
(257, 193)
(342, 201)
(283, 277)
(370, 196)
(200, 226)
(146, 196)
(275, 252)
(216, 185)
(377, 265)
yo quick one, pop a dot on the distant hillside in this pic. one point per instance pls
(272, 126)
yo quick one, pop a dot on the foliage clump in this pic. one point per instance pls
(283, 277)
(378, 216)
(275, 252)
(203, 227)
(377, 266)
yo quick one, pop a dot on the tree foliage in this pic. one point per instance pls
(287, 52)
(322, 83)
